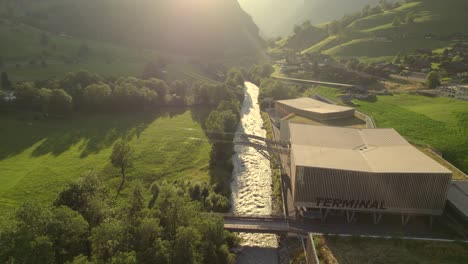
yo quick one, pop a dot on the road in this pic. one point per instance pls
(338, 85)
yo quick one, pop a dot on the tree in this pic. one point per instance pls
(410, 18)
(151, 248)
(5, 82)
(69, 233)
(396, 21)
(44, 97)
(155, 194)
(88, 196)
(108, 240)
(27, 96)
(122, 157)
(433, 80)
(187, 242)
(137, 201)
(61, 103)
(97, 96)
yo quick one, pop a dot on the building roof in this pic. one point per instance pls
(368, 150)
(458, 196)
(312, 105)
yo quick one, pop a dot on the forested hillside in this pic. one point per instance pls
(188, 26)
(278, 17)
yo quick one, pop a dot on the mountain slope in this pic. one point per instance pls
(271, 15)
(379, 37)
(188, 26)
(278, 17)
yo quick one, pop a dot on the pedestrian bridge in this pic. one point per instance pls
(262, 224)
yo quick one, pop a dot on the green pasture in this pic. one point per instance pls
(370, 250)
(39, 157)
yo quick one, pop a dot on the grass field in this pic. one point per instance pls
(440, 123)
(366, 250)
(38, 157)
(21, 44)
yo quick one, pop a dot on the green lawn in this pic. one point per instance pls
(361, 250)
(38, 157)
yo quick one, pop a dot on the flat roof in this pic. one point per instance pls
(458, 196)
(312, 105)
(367, 150)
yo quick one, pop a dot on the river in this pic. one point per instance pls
(251, 184)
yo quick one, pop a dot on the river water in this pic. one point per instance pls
(251, 185)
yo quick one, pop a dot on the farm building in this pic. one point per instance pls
(362, 170)
(311, 108)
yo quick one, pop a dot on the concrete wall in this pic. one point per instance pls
(311, 253)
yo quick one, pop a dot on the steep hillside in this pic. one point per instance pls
(427, 24)
(272, 15)
(278, 17)
(188, 26)
(304, 36)
(320, 11)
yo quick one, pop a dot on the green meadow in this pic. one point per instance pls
(361, 250)
(440, 123)
(39, 157)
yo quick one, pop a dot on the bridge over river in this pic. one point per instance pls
(281, 226)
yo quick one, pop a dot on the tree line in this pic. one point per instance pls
(85, 91)
(165, 223)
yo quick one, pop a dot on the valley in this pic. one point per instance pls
(155, 131)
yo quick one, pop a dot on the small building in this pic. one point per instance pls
(455, 91)
(311, 108)
(362, 170)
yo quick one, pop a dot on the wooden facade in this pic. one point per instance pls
(406, 193)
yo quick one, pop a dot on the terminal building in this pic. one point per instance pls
(362, 170)
(311, 108)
